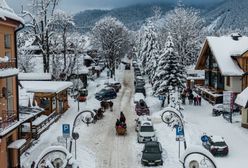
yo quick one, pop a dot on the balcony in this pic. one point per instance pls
(8, 68)
(8, 64)
(7, 119)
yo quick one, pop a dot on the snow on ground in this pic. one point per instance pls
(99, 147)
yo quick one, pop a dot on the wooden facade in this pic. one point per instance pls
(52, 102)
(9, 157)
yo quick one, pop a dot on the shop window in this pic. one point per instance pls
(7, 41)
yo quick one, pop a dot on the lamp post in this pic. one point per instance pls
(204, 158)
(88, 118)
(172, 115)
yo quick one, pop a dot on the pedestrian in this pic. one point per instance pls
(183, 96)
(111, 105)
(33, 164)
(117, 123)
(200, 100)
(195, 100)
(191, 97)
(122, 117)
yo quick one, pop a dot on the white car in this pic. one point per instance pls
(140, 119)
(146, 132)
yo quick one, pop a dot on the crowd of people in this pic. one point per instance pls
(188, 93)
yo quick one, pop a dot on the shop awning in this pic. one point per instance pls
(17, 144)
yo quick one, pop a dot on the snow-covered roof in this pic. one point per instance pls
(45, 86)
(242, 98)
(7, 12)
(223, 48)
(34, 76)
(17, 144)
(26, 113)
(8, 72)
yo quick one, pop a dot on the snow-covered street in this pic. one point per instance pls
(100, 147)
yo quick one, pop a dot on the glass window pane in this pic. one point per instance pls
(7, 40)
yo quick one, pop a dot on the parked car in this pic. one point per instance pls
(216, 145)
(127, 67)
(116, 85)
(146, 132)
(141, 108)
(218, 109)
(140, 119)
(106, 94)
(140, 89)
(152, 154)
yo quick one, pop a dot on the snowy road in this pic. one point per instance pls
(99, 147)
(111, 150)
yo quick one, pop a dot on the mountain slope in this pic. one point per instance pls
(230, 14)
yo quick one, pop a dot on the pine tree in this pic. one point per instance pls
(150, 49)
(169, 73)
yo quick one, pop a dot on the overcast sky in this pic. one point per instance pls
(74, 6)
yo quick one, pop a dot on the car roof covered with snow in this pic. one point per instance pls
(146, 123)
(216, 138)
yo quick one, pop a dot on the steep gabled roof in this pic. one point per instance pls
(7, 12)
(223, 49)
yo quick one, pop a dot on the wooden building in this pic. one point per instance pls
(52, 96)
(10, 143)
(224, 61)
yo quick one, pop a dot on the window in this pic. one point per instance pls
(10, 97)
(228, 80)
(7, 41)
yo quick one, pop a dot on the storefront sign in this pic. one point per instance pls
(228, 101)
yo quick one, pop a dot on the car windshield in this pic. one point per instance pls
(146, 129)
(219, 143)
(151, 149)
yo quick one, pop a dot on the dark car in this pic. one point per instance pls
(106, 94)
(216, 145)
(218, 109)
(115, 85)
(140, 89)
(152, 154)
(127, 67)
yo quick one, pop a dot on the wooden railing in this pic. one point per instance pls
(7, 118)
(9, 64)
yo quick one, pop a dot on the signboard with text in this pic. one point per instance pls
(228, 101)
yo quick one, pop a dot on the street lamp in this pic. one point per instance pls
(88, 118)
(196, 157)
(172, 116)
(54, 156)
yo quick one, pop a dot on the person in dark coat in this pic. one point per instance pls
(191, 97)
(199, 100)
(33, 164)
(111, 105)
(195, 100)
(117, 122)
(122, 117)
